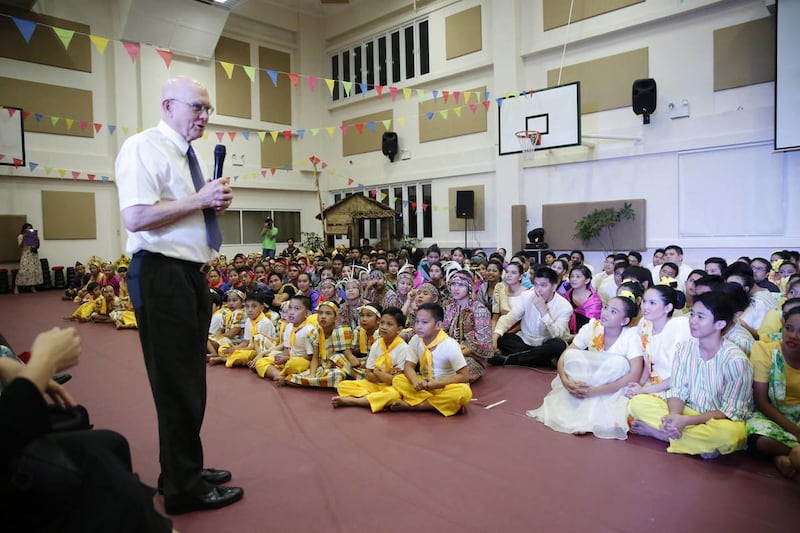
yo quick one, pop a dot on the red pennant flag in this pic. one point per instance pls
(232, 134)
(360, 127)
(312, 82)
(11, 111)
(2, 156)
(220, 134)
(17, 162)
(133, 50)
(486, 104)
(473, 107)
(287, 134)
(295, 79)
(25, 115)
(166, 55)
(413, 205)
(350, 181)
(445, 95)
(314, 160)
(75, 175)
(263, 173)
(84, 124)
(379, 90)
(393, 90)
(343, 127)
(324, 165)
(272, 170)
(90, 176)
(97, 127)
(456, 95)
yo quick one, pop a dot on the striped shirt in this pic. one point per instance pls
(723, 383)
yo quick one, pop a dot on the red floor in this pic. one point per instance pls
(308, 467)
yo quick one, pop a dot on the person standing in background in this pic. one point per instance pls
(269, 233)
(170, 212)
(30, 268)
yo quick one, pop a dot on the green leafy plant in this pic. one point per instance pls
(410, 242)
(311, 241)
(600, 221)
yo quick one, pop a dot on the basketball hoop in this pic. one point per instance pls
(528, 141)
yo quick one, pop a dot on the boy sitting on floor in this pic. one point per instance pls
(259, 335)
(442, 383)
(386, 359)
(297, 350)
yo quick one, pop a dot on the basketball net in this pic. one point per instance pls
(528, 141)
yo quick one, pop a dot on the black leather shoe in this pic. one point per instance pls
(209, 475)
(498, 360)
(216, 498)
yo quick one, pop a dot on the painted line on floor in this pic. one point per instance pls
(495, 404)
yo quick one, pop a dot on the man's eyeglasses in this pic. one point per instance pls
(197, 108)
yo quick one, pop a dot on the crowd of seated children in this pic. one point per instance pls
(259, 335)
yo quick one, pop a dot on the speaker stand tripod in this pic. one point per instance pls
(465, 232)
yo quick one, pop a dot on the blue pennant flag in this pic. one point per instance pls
(25, 27)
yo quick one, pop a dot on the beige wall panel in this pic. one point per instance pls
(606, 82)
(473, 224)
(276, 154)
(233, 95)
(463, 33)
(276, 102)
(558, 221)
(68, 215)
(555, 13)
(49, 100)
(9, 231)
(439, 128)
(744, 54)
(368, 140)
(45, 47)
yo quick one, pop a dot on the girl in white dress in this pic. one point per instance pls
(589, 393)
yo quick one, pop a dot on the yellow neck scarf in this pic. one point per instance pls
(386, 357)
(295, 329)
(323, 351)
(426, 364)
(362, 341)
(254, 325)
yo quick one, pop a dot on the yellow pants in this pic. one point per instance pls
(378, 395)
(293, 366)
(448, 400)
(725, 436)
(239, 358)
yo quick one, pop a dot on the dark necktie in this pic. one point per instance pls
(213, 233)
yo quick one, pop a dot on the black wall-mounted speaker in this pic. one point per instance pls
(643, 98)
(465, 204)
(389, 145)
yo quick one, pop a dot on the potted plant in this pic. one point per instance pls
(311, 242)
(601, 222)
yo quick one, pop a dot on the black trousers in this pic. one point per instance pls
(522, 354)
(173, 312)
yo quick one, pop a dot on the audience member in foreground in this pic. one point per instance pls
(774, 428)
(711, 393)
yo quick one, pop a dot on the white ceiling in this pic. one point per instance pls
(309, 7)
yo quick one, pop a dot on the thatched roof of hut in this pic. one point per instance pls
(356, 207)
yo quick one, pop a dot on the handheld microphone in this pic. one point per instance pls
(219, 159)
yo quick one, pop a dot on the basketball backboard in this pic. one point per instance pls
(554, 111)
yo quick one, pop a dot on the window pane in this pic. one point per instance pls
(345, 66)
(358, 78)
(427, 213)
(370, 61)
(382, 70)
(230, 226)
(409, 38)
(424, 54)
(288, 224)
(252, 224)
(398, 206)
(335, 76)
(412, 211)
(396, 56)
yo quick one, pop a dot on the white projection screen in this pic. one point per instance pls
(787, 77)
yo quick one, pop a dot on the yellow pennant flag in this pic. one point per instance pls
(457, 111)
(401, 121)
(227, 67)
(330, 130)
(70, 122)
(251, 73)
(99, 42)
(330, 84)
(274, 135)
(62, 172)
(466, 96)
(407, 93)
(262, 135)
(64, 35)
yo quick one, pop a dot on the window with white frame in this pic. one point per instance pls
(413, 202)
(397, 55)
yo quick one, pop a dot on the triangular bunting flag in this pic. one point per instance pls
(485, 95)
(363, 87)
(445, 95)
(111, 129)
(91, 176)
(384, 196)
(324, 165)
(25, 27)
(263, 173)
(330, 130)
(64, 35)
(360, 127)
(75, 175)
(387, 124)
(466, 97)
(33, 165)
(17, 162)
(220, 135)
(262, 135)
(48, 170)
(2, 156)
(420, 94)
(246, 135)
(54, 120)
(97, 127)
(429, 115)
(486, 104)
(379, 90)
(227, 67)
(70, 122)
(301, 133)
(360, 186)
(272, 170)
(251, 73)
(232, 135)
(273, 75)
(105, 179)
(287, 134)
(456, 95)
(407, 94)
(435, 94)
(350, 181)
(133, 50)
(371, 125)
(314, 132)
(11, 111)
(500, 103)
(413, 205)
(312, 82)
(38, 117)
(83, 124)
(347, 86)
(274, 135)
(166, 55)
(294, 78)
(343, 127)
(393, 91)
(125, 130)
(25, 115)
(443, 112)
(99, 42)
(401, 121)
(330, 84)
(457, 111)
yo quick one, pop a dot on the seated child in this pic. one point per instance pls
(259, 335)
(234, 323)
(589, 392)
(774, 428)
(442, 383)
(90, 303)
(218, 312)
(105, 305)
(364, 337)
(329, 342)
(296, 353)
(386, 359)
(711, 392)
(78, 281)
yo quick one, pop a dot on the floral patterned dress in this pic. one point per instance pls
(30, 268)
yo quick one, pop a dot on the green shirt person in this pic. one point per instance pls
(270, 234)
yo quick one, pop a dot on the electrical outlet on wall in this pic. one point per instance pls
(237, 160)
